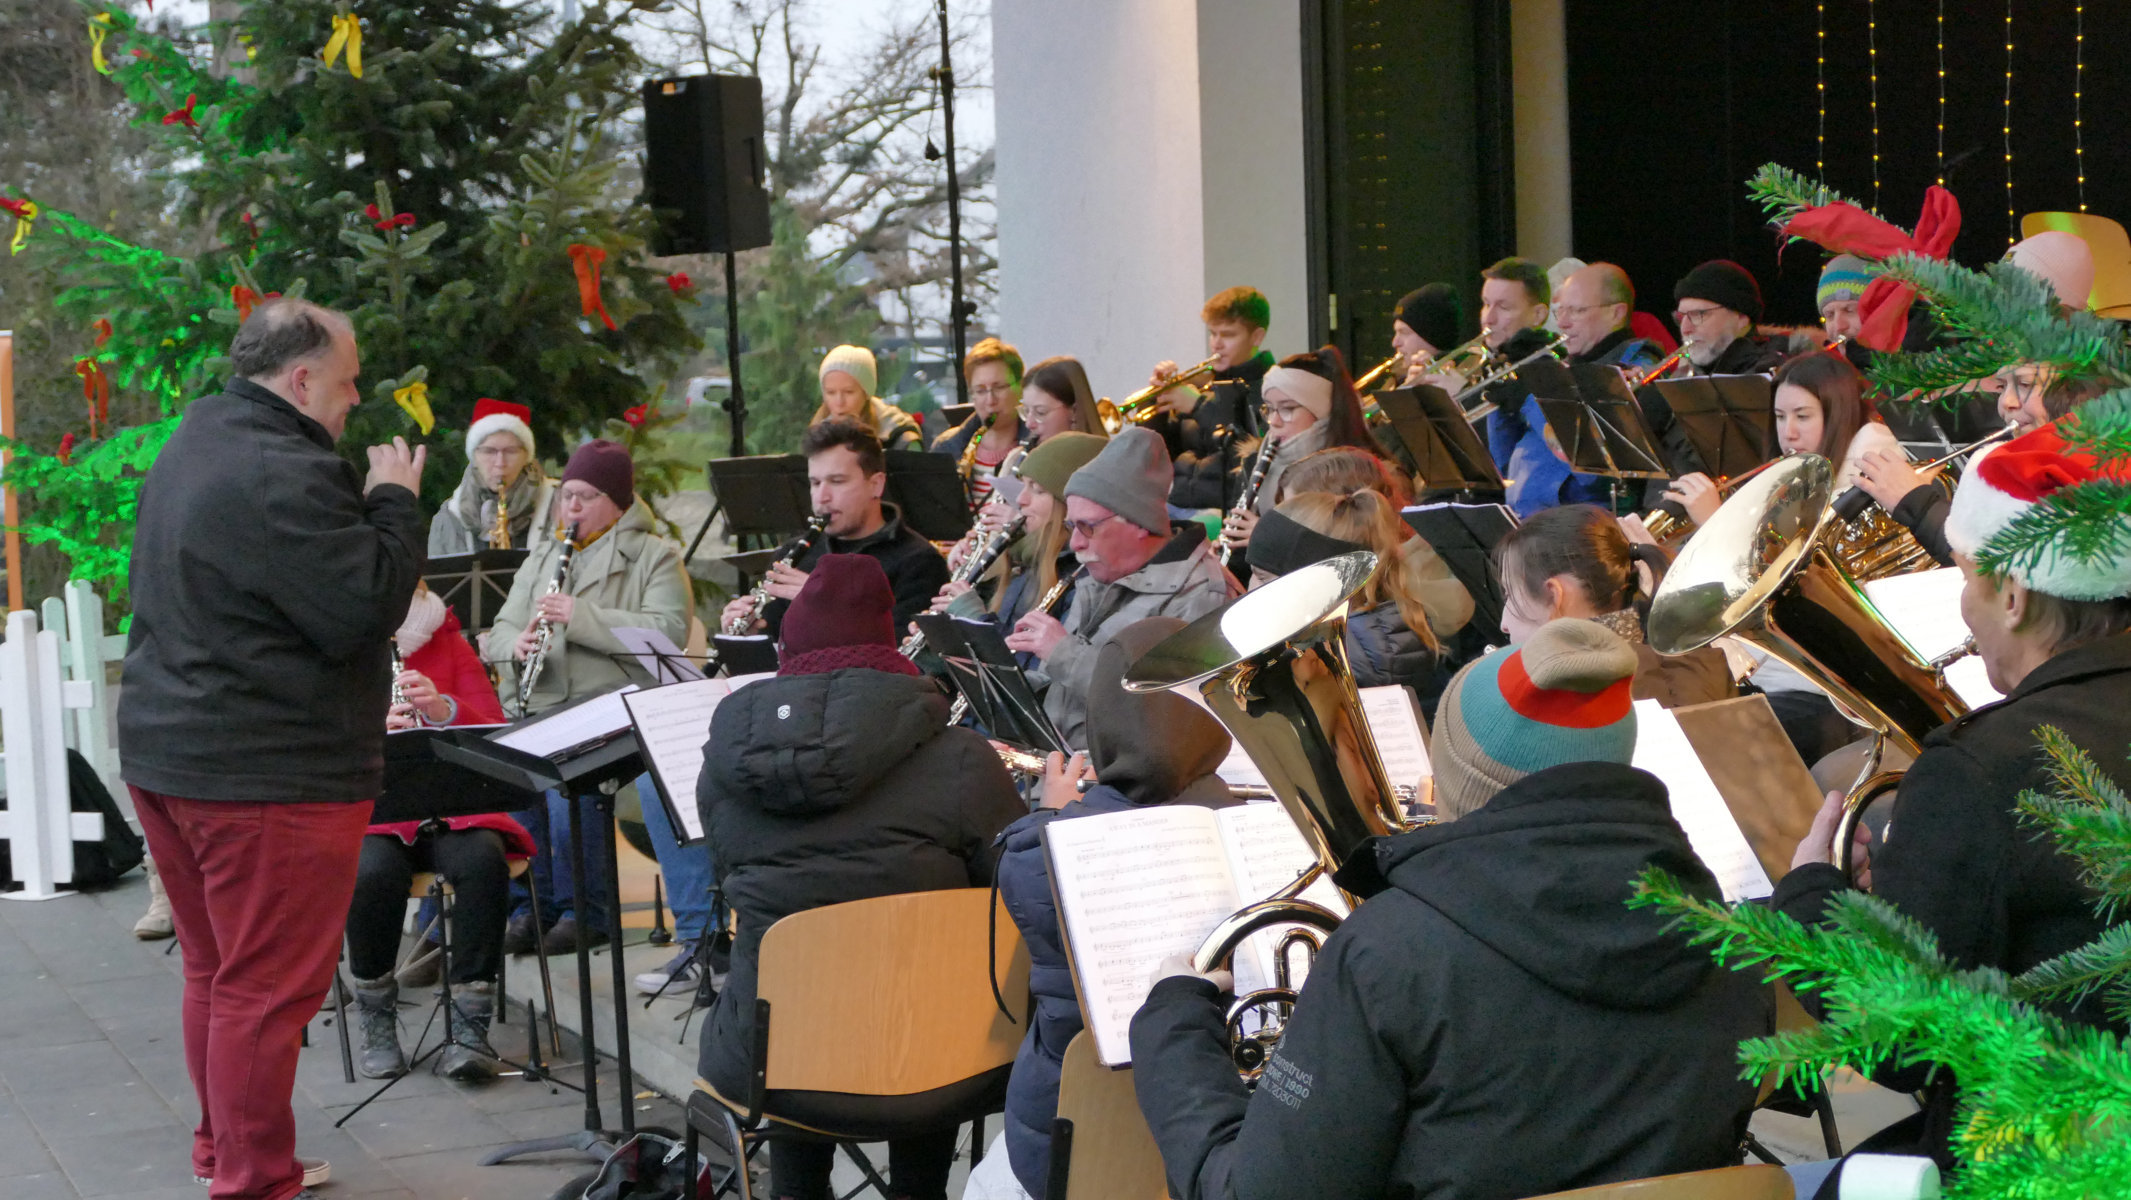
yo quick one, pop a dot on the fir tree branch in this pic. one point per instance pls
(1783, 193)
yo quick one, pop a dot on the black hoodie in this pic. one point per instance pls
(819, 789)
(1497, 1024)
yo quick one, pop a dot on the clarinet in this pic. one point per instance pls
(544, 630)
(1260, 464)
(760, 597)
(399, 667)
(960, 708)
(972, 568)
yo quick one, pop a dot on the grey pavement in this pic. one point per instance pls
(95, 1099)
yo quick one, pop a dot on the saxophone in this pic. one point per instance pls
(967, 467)
(1267, 449)
(972, 567)
(544, 631)
(759, 598)
(499, 537)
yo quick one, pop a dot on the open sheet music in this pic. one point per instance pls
(672, 724)
(585, 723)
(1136, 887)
(1393, 723)
(1925, 609)
(1662, 748)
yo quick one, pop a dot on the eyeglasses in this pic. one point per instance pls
(1030, 412)
(572, 496)
(1695, 316)
(1284, 413)
(993, 389)
(1567, 312)
(1087, 529)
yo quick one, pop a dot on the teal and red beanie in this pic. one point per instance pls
(1561, 697)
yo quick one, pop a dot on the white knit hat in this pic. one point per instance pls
(500, 416)
(855, 361)
(2006, 483)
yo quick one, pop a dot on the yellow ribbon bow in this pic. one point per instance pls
(348, 35)
(99, 29)
(415, 399)
(25, 211)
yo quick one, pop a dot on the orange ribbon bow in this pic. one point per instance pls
(587, 259)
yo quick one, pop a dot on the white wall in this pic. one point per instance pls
(1138, 175)
(1250, 153)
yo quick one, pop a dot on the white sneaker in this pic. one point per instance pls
(155, 923)
(677, 978)
(315, 1172)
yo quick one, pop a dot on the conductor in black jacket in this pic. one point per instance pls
(1497, 1023)
(266, 577)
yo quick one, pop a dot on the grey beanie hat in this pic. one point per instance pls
(1130, 478)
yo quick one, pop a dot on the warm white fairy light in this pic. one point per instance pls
(1820, 90)
(2012, 222)
(2079, 80)
(1942, 94)
(1872, 71)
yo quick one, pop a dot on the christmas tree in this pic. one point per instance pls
(442, 171)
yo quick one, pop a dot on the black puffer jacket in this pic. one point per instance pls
(1497, 1024)
(1209, 474)
(818, 789)
(1383, 649)
(266, 585)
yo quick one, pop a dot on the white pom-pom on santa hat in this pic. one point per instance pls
(500, 416)
(2002, 483)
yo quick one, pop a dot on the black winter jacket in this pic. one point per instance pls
(1959, 861)
(265, 588)
(819, 789)
(1383, 649)
(1749, 355)
(915, 570)
(1922, 511)
(1497, 1024)
(1209, 474)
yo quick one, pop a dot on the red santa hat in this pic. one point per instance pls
(500, 416)
(2038, 470)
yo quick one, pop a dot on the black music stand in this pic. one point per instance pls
(594, 767)
(1596, 424)
(929, 490)
(474, 585)
(981, 667)
(1465, 535)
(763, 496)
(1728, 420)
(1444, 449)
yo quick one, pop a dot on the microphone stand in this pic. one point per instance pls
(958, 308)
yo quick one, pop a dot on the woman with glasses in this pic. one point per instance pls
(1310, 405)
(993, 370)
(849, 379)
(1056, 399)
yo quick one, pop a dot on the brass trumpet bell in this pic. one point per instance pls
(1769, 568)
(1272, 665)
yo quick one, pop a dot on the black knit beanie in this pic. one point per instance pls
(1722, 281)
(1434, 312)
(1281, 544)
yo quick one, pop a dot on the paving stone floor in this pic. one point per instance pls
(95, 1100)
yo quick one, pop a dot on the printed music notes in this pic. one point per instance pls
(1925, 609)
(672, 724)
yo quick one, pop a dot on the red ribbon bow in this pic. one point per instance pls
(679, 282)
(1847, 229)
(243, 298)
(183, 116)
(381, 221)
(66, 450)
(586, 260)
(102, 326)
(18, 208)
(95, 391)
(637, 416)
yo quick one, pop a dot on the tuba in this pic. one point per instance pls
(1777, 566)
(1272, 666)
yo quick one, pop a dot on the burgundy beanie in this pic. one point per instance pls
(844, 602)
(606, 466)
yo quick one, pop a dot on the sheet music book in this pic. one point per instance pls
(1924, 607)
(554, 734)
(657, 655)
(1393, 722)
(1135, 887)
(672, 725)
(1662, 748)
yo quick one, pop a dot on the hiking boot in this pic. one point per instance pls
(562, 939)
(377, 1005)
(468, 1058)
(521, 935)
(155, 923)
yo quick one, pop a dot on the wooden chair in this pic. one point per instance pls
(874, 1019)
(1725, 1183)
(1101, 1148)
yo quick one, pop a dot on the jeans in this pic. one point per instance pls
(550, 872)
(258, 896)
(687, 869)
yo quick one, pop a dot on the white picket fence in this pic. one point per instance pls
(53, 697)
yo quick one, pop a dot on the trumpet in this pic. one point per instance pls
(1140, 406)
(1664, 366)
(1488, 379)
(760, 596)
(973, 567)
(544, 630)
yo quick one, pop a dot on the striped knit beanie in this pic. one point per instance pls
(1844, 278)
(1562, 697)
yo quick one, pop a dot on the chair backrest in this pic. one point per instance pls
(1756, 1182)
(1112, 1155)
(890, 996)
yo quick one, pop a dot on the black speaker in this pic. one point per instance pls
(703, 164)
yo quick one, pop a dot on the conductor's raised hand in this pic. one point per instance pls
(396, 464)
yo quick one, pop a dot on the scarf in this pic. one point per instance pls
(424, 617)
(475, 505)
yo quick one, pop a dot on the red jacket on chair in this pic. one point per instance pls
(451, 664)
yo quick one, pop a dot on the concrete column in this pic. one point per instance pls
(1539, 82)
(1250, 149)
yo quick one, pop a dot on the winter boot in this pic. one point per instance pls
(155, 923)
(377, 1002)
(468, 1058)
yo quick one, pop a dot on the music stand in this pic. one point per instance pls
(1729, 420)
(587, 748)
(981, 667)
(1444, 449)
(744, 654)
(929, 490)
(763, 495)
(1596, 423)
(1465, 536)
(474, 585)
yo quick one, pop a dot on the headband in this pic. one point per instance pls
(1313, 392)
